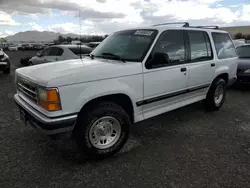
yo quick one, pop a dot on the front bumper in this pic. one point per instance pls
(47, 125)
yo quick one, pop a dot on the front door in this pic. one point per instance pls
(43, 55)
(165, 74)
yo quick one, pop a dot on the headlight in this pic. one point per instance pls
(49, 99)
(247, 71)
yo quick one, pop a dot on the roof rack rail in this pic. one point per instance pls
(185, 24)
(207, 27)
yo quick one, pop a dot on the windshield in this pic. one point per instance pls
(243, 51)
(129, 45)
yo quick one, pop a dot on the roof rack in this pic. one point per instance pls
(208, 27)
(185, 24)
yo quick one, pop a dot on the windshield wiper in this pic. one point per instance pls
(116, 56)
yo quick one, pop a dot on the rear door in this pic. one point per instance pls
(201, 63)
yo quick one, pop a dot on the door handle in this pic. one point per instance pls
(183, 69)
(212, 64)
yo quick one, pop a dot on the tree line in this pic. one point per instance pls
(85, 39)
(241, 36)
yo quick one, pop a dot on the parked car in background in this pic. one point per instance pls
(4, 62)
(133, 75)
(239, 42)
(243, 71)
(13, 47)
(59, 53)
(93, 44)
(38, 47)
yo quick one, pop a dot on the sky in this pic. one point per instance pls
(107, 16)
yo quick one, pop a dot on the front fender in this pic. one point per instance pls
(74, 97)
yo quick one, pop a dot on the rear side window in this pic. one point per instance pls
(224, 45)
(200, 46)
(55, 51)
(78, 51)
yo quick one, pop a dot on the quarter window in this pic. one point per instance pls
(224, 45)
(200, 46)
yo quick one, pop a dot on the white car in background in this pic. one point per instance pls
(239, 42)
(13, 48)
(60, 53)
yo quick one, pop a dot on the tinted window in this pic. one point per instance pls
(200, 46)
(45, 52)
(78, 51)
(243, 51)
(130, 45)
(224, 45)
(55, 51)
(168, 50)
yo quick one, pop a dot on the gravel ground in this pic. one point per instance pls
(184, 148)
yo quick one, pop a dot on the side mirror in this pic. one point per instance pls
(38, 54)
(158, 59)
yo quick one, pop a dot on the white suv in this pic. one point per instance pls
(131, 76)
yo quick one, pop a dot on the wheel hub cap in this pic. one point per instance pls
(218, 95)
(105, 132)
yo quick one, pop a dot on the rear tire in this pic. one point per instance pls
(216, 95)
(102, 131)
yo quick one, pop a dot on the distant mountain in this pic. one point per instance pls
(37, 36)
(245, 30)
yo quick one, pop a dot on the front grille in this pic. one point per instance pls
(28, 89)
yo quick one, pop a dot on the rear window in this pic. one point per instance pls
(78, 51)
(243, 51)
(224, 46)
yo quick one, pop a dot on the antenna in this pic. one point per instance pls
(80, 24)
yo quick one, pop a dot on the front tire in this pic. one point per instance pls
(216, 95)
(102, 131)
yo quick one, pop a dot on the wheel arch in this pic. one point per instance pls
(224, 76)
(120, 99)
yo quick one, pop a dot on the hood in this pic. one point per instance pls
(77, 71)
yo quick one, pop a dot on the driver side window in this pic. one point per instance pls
(45, 52)
(169, 50)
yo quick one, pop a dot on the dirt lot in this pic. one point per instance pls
(184, 148)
